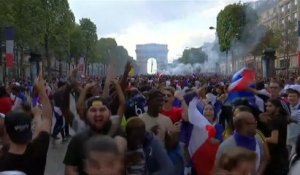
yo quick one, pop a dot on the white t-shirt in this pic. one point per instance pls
(165, 124)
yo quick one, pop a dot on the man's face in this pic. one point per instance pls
(293, 98)
(274, 89)
(169, 97)
(98, 115)
(156, 103)
(103, 163)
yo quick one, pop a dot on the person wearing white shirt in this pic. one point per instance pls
(294, 127)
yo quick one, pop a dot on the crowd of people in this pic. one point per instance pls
(152, 125)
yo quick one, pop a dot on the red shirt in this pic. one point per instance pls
(174, 114)
(5, 105)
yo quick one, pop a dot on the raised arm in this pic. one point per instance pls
(184, 106)
(125, 76)
(194, 115)
(121, 98)
(109, 76)
(81, 99)
(45, 122)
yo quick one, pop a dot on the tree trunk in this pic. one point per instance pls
(226, 63)
(86, 67)
(46, 40)
(22, 67)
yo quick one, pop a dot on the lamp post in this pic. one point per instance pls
(226, 57)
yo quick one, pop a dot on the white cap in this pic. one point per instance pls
(295, 87)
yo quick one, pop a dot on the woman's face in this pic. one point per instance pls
(270, 108)
(208, 112)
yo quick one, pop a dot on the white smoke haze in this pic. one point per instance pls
(250, 37)
(183, 69)
(214, 56)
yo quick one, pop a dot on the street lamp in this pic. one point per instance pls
(226, 61)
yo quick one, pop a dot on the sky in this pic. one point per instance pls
(178, 23)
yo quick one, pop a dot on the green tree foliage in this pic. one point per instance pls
(48, 27)
(105, 48)
(271, 39)
(57, 20)
(89, 33)
(76, 42)
(193, 55)
(230, 24)
(108, 51)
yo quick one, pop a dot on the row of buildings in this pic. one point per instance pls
(283, 16)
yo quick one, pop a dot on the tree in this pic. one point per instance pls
(271, 39)
(76, 42)
(89, 33)
(230, 24)
(57, 19)
(108, 52)
(105, 48)
(193, 55)
(287, 41)
(235, 26)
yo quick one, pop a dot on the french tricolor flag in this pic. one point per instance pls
(10, 36)
(201, 149)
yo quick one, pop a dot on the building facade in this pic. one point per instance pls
(285, 16)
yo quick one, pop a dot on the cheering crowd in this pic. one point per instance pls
(153, 125)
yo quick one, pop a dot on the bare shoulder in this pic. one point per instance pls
(121, 142)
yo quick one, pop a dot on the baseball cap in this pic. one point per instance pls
(18, 127)
(96, 100)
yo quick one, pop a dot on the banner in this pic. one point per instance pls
(10, 36)
(81, 65)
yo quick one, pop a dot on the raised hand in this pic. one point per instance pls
(40, 82)
(90, 85)
(128, 66)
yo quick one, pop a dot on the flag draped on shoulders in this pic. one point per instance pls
(201, 149)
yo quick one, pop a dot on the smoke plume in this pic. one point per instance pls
(183, 69)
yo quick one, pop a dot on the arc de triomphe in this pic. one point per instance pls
(146, 51)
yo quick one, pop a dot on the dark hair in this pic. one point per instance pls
(3, 92)
(278, 104)
(101, 144)
(292, 91)
(241, 101)
(260, 85)
(244, 108)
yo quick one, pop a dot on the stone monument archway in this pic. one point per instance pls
(146, 51)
